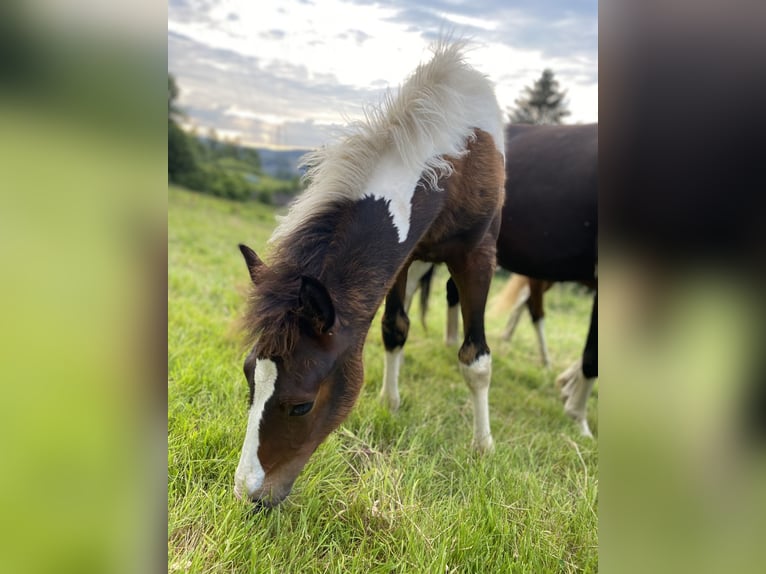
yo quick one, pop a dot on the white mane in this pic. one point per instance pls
(434, 114)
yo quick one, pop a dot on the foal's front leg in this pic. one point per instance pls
(472, 274)
(395, 326)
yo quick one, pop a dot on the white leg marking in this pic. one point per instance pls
(389, 394)
(450, 336)
(249, 476)
(566, 379)
(518, 307)
(414, 273)
(477, 375)
(539, 328)
(513, 320)
(577, 403)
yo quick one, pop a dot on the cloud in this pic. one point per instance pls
(358, 35)
(264, 103)
(272, 77)
(274, 34)
(555, 28)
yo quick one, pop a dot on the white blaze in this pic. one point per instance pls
(249, 476)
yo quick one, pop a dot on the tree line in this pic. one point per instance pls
(215, 165)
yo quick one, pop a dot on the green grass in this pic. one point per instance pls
(386, 492)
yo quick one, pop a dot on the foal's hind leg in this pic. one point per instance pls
(453, 299)
(518, 305)
(473, 273)
(537, 311)
(395, 326)
(414, 274)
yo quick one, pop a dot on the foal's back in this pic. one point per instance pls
(472, 197)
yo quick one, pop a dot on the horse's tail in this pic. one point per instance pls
(425, 293)
(516, 290)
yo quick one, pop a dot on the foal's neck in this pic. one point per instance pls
(364, 258)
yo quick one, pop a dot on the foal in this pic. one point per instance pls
(421, 178)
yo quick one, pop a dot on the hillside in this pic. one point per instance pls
(282, 164)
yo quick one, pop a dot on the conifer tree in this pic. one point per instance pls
(542, 103)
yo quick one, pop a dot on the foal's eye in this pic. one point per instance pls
(301, 409)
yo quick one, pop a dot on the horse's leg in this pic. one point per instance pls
(536, 310)
(518, 306)
(472, 273)
(580, 388)
(565, 380)
(453, 299)
(395, 326)
(414, 274)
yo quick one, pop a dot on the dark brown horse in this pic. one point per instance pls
(548, 231)
(421, 178)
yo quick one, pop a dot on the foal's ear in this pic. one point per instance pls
(254, 263)
(316, 305)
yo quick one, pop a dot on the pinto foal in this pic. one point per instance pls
(421, 178)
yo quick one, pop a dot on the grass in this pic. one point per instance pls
(386, 492)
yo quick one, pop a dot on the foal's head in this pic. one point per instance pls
(304, 374)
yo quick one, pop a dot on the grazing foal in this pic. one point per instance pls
(421, 178)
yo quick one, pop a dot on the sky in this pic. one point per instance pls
(285, 73)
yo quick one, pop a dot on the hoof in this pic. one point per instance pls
(450, 341)
(484, 445)
(391, 402)
(580, 420)
(585, 429)
(582, 426)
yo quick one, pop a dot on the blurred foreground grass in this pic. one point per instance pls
(82, 343)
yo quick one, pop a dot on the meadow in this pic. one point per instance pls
(386, 492)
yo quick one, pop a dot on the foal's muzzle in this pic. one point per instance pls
(265, 498)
